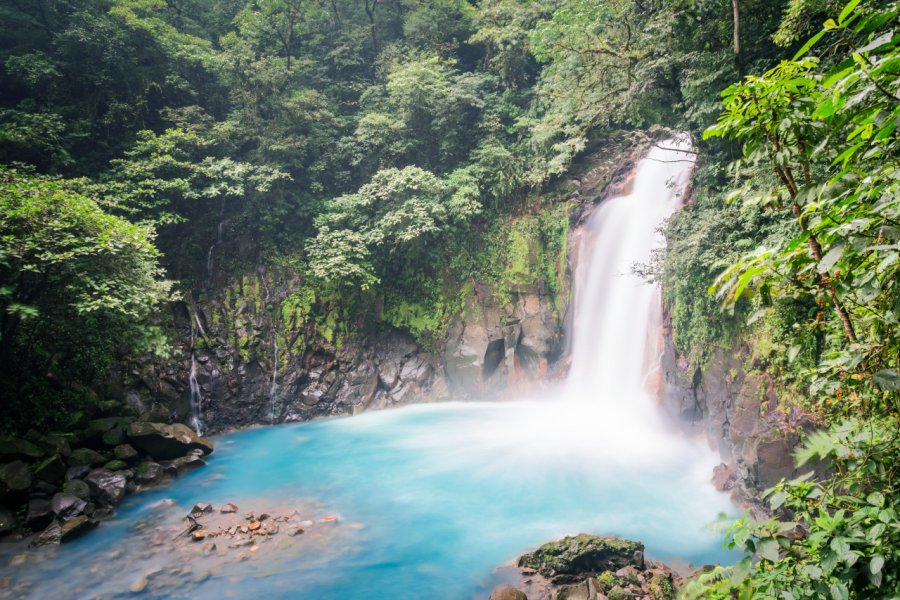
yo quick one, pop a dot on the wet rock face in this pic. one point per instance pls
(163, 441)
(740, 414)
(319, 370)
(107, 487)
(491, 347)
(576, 557)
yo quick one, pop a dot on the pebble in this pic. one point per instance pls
(139, 586)
(228, 508)
(18, 559)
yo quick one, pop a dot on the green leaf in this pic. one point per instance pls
(876, 564)
(768, 548)
(839, 591)
(888, 380)
(847, 10)
(875, 499)
(830, 258)
(810, 43)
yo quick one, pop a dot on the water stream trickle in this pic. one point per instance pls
(432, 498)
(196, 395)
(273, 389)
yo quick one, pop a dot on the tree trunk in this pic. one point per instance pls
(738, 59)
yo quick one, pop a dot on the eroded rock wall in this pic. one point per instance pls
(736, 405)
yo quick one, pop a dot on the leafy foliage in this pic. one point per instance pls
(820, 152)
(74, 282)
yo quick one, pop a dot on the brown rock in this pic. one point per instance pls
(199, 535)
(507, 592)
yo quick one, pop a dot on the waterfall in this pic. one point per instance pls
(209, 254)
(196, 397)
(618, 316)
(273, 389)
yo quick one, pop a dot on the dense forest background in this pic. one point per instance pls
(378, 146)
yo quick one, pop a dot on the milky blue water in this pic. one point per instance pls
(431, 499)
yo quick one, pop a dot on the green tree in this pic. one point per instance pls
(77, 286)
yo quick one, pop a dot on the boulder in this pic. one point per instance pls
(115, 465)
(184, 464)
(15, 477)
(107, 487)
(52, 443)
(7, 520)
(576, 557)
(13, 448)
(51, 469)
(114, 437)
(125, 452)
(39, 514)
(166, 441)
(42, 489)
(75, 528)
(575, 591)
(66, 506)
(507, 592)
(148, 472)
(77, 488)
(77, 472)
(50, 536)
(86, 457)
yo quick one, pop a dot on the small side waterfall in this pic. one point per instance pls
(196, 396)
(274, 388)
(209, 254)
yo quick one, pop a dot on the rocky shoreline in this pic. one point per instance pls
(55, 487)
(589, 567)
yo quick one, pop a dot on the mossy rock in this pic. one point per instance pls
(15, 476)
(619, 593)
(86, 457)
(608, 580)
(116, 465)
(52, 443)
(575, 557)
(114, 437)
(125, 452)
(77, 488)
(13, 448)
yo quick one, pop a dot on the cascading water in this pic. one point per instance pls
(196, 415)
(196, 396)
(273, 389)
(432, 498)
(209, 254)
(617, 314)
